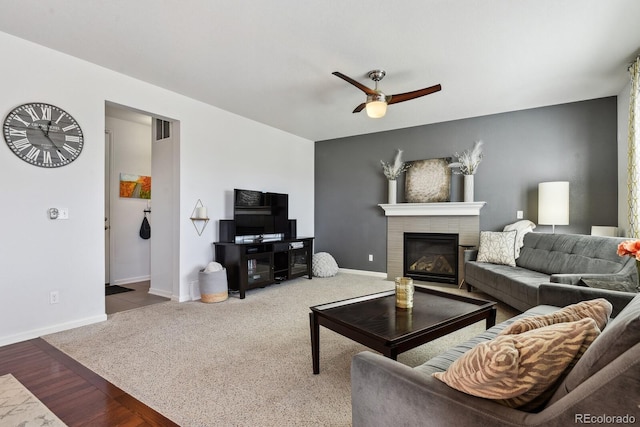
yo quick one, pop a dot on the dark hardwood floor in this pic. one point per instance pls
(77, 395)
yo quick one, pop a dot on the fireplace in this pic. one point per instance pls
(462, 218)
(431, 257)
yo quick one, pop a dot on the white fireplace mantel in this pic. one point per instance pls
(433, 209)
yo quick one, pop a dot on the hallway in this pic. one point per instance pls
(139, 297)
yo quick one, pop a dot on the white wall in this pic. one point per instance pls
(165, 238)
(218, 151)
(623, 147)
(130, 153)
(237, 155)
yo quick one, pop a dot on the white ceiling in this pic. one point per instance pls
(271, 61)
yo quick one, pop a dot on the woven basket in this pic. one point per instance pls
(213, 286)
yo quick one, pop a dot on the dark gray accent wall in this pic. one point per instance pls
(574, 142)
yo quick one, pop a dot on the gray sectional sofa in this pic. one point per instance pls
(576, 267)
(602, 388)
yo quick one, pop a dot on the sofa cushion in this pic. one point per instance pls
(442, 361)
(598, 309)
(614, 284)
(519, 370)
(622, 333)
(515, 286)
(570, 254)
(497, 247)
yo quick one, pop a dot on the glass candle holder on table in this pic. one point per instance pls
(404, 292)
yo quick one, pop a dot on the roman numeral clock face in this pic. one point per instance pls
(43, 135)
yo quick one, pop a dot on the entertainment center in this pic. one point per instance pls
(259, 246)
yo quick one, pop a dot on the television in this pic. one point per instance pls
(258, 213)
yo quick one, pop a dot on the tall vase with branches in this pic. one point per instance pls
(467, 164)
(392, 171)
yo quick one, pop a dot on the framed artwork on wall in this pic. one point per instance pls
(135, 186)
(428, 181)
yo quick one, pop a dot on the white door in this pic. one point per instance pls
(107, 205)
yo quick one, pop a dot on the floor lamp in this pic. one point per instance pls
(553, 203)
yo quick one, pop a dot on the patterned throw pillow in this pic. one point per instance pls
(519, 371)
(597, 309)
(497, 247)
(621, 334)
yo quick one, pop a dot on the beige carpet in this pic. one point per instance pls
(239, 362)
(19, 407)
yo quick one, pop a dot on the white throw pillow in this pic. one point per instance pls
(521, 227)
(497, 247)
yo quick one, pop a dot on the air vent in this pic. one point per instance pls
(163, 129)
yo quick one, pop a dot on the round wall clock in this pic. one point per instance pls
(43, 135)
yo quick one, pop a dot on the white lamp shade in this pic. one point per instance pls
(376, 109)
(553, 203)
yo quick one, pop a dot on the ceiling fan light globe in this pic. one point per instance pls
(376, 105)
(376, 109)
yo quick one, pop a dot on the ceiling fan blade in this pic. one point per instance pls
(360, 107)
(355, 83)
(412, 95)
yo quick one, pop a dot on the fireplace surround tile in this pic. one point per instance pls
(466, 226)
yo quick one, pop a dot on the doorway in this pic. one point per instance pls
(107, 207)
(130, 261)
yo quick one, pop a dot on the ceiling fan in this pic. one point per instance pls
(377, 101)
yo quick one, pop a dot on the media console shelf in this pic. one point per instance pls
(258, 264)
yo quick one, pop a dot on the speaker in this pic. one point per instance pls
(291, 230)
(227, 230)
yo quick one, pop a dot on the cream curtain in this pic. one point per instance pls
(633, 176)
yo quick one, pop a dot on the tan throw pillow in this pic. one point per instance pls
(598, 309)
(519, 371)
(497, 247)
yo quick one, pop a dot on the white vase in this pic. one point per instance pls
(393, 192)
(468, 188)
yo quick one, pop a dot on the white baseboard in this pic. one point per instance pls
(35, 333)
(130, 280)
(364, 272)
(193, 293)
(183, 298)
(194, 290)
(160, 292)
(169, 294)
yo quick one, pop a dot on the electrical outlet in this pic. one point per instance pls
(519, 215)
(370, 257)
(54, 297)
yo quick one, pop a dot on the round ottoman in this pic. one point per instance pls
(323, 265)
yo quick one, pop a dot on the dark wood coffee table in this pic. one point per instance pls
(374, 321)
